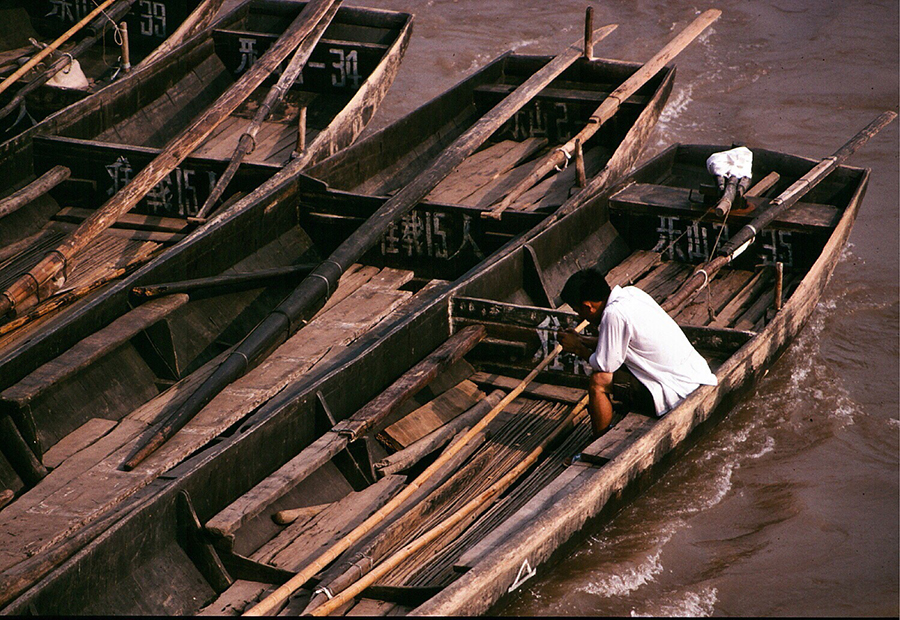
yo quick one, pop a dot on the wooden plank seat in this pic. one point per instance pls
(650, 199)
(498, 91)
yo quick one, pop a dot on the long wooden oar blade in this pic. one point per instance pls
(784, 201)
(247, 141)
(608, 108)
(299, 306)
(281, 594)
(44, 277)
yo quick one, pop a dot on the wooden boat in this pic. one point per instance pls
(398, 279)
(504, 542)
(153, 29)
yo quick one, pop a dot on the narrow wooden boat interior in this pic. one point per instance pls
(210, 520)
(149, 24)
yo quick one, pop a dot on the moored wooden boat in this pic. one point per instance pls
(509, 540)
(153, 28)
(274, 224)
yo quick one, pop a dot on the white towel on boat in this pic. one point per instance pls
(636, 331)
(70, 77)
(736, 162)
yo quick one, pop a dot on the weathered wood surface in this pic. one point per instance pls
(431, 416)
(90, 483)
(585, 492)
(436, 439)
(544, 391)
(287, 318)
(610, 105)
(225, 283)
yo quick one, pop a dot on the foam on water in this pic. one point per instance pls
(687, 604)
(622, 581)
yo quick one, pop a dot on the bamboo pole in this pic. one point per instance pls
(558, 157)
(5, 84)
(295, 310)
(45, 274)
(282, 593)
(247, 142)
(341, 598)
(784, 201)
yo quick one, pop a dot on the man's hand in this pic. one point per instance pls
(571, 342)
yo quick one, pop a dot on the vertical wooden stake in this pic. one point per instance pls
(779, 285)
(301, 135)
(580, 176)
(589, 33)
(126, 53)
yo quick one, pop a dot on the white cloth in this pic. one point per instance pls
(736, 162)
(634, 330)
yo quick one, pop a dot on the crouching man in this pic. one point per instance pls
(641, 357)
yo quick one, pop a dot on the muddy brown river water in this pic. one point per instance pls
(790, 505)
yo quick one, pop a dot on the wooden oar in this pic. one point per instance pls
(45, 274)
(784, 201)
(338, 599)
(559, 157)
(224, 284)
(50, 48)
(247, 141)
(299, 306)
(268, 604)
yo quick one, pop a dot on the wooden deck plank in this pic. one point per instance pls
(558, 187)
(77, 440)
(714, 298)
(300, 545)
(482, 167)
(432, 415)
(632, 268)
(536, 390)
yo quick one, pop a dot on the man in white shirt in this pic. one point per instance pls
(641, 356)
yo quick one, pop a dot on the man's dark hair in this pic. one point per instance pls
(585, 285)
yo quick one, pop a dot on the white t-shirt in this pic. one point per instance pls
(635, 331)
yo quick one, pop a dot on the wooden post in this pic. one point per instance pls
(779, 285)
(589, 33)
(608, 108)
(580, 176)
(271, 602)
(225, 284)
(301, 131)
(45, 274)
(126, 53)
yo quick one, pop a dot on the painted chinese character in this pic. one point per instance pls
(120, 173)
(248, 54)
(412, 233)
(389, 241)
(63, 9)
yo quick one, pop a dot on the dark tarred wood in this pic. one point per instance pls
(224, 284)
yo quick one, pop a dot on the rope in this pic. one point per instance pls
(566, 162)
